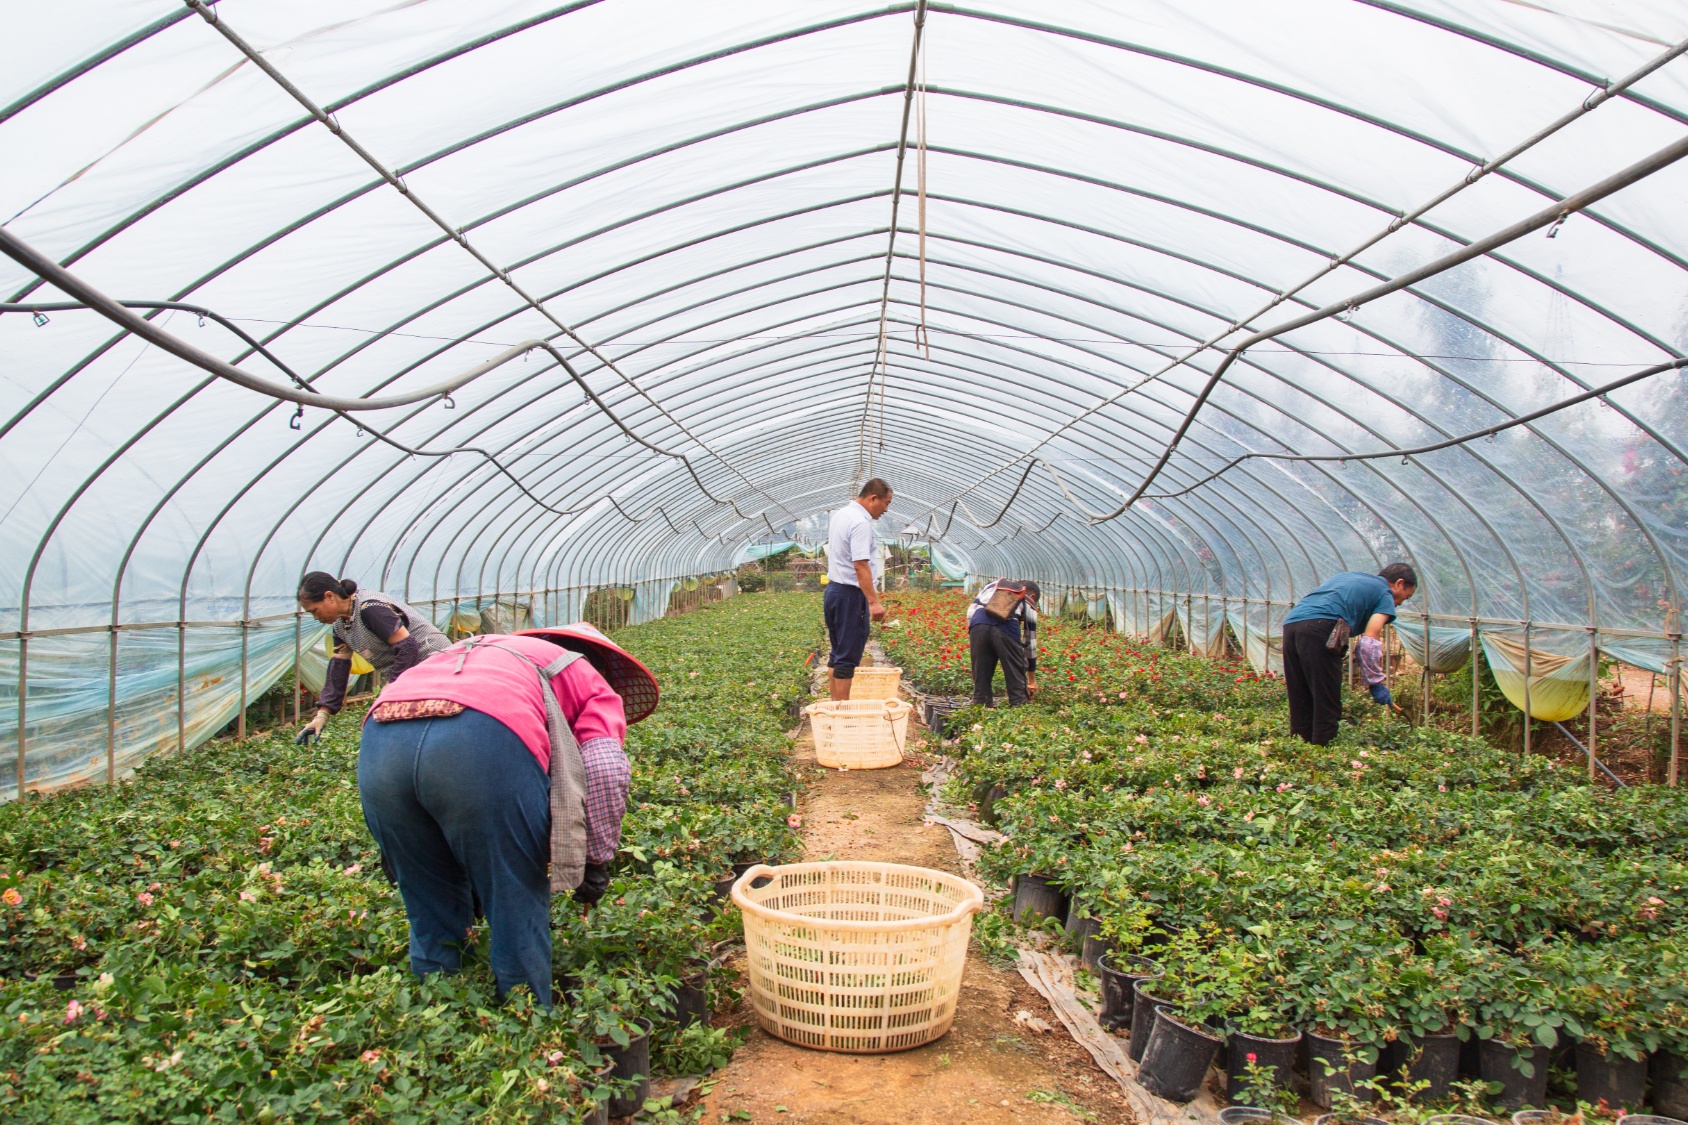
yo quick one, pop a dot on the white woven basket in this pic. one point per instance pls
(859, 734)
(859, 957)
(876, 681)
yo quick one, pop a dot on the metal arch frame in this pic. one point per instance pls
(1575, 296)
(1407, 354)
(1648, 428)
(1667, 569)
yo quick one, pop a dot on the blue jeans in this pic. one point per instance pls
(460, 806)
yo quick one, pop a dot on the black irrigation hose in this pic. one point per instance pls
(1554, 214)
(1487, 431)
(36, 308)
(39, 307)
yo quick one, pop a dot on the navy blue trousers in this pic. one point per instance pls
(847, 622)
(462, 810)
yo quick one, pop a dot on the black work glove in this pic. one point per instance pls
(593, 883)
(306, 736)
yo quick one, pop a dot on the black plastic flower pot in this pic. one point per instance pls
(1037, 894)
(691, 999)
(987, 805)
(1619, 1082)
(1143, 1009)
(1080, 926)
(1670, 1084)
(756, 883)
(599, 1114)
(1334, 1065)
(1177, 1058)
(1433, 1059)
(631, 1062)
(1091, 952)
(1503, 1063)
(1117, 993)
(1246, 1115)
(1275, 1055)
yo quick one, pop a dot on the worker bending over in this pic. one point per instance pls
(1002, 629)
(389, 634)
(1316, 634)
(494, 772)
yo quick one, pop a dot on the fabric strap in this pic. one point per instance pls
(568, 772)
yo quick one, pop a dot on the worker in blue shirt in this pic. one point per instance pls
(1316, 640)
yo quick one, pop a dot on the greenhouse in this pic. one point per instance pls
(585, 321)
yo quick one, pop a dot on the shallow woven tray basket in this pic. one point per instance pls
(859, 734)
(859, 957)
(876, 681)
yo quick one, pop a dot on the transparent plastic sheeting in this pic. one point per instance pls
(696, 203)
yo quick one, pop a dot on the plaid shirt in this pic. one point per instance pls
(608, 776)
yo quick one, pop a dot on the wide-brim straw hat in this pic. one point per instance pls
(630, 679)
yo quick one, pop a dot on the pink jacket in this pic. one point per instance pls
(507, 688)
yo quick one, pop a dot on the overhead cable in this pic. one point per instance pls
(1413, 451)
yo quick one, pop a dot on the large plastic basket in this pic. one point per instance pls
(859, 957)
(876, 681)
(859, 734)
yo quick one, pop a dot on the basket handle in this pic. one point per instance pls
(891, 721)
(756, 872)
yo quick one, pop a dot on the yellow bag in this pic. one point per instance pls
(360, 666)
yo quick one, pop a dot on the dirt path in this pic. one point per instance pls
(989, 1068)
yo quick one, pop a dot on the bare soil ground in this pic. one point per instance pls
(990, 1067)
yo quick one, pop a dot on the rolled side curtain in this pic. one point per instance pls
(1449, 648)
(1558, 684)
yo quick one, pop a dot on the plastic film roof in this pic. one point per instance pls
(715, 213)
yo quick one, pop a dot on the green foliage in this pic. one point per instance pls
(234, 953)
(1400, 882)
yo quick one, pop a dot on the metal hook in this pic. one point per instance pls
(1553, 231)
(202, 320)
(39, 317)
(293, 423)
(449, 404)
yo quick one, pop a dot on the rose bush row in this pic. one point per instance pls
(231, 950)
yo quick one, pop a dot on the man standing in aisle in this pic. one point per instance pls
(852, 574)
(1316, 636)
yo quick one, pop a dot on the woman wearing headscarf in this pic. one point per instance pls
(494, 772)
(389, 634)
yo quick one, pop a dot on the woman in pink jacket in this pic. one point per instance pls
(455, 772)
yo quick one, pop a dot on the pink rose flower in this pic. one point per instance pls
(794, 821)
(11, 897)
(144, 898)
